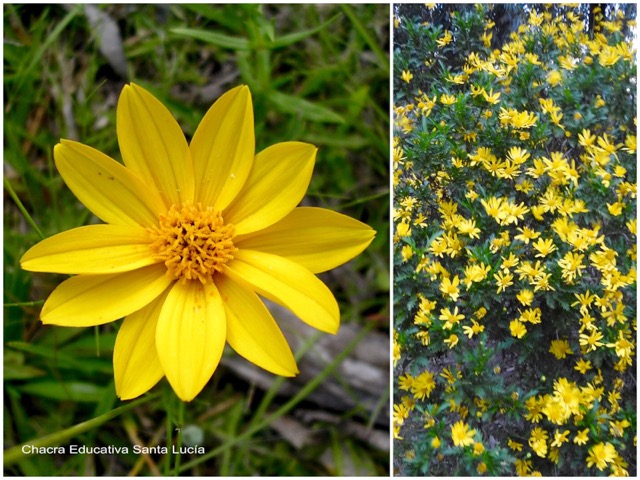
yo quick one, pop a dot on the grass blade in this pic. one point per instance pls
(304, 108)
(292, 38)
(27, 216)
(14, 454)
(218, 39)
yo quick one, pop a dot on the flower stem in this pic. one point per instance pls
(168, 401)
(176, 469)
(35, 303)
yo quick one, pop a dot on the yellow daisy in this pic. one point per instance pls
(193, 233)
(462, 435)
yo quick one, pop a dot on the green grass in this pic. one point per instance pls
(317, 73)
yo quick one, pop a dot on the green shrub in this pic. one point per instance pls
(514, 245)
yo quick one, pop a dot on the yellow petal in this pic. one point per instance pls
(222, 149)
(190, 336)
(278, 181)
(252, 332)
(153, 145)
(112, 192)
(91, 249)
(87, 300)
(287, 284)
(316, 238)
(136, 366)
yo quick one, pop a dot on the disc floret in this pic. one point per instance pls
(193, 242)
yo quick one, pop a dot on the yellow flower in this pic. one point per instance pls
(615, 209)
(526, 235)
(461, 435)
(475, 273)
(452, 341)
(544, 247)
(446, 39)
(407, 76)
(554, 78)
(517, 328)
(400, 414)
(531, 315)
(491, 97)
(192, 234)
(631, 144)
(617, 427)
(600, 455)
(560, 349)
(583, 366)
(407, 253)
(473, 329)
(468, 227)
(423, 385)
(523, 467)
(517, 119)
(446, 99)
(486, 38)
(503, 281)
(581, 437)
(450, 288)
(608, 56)
(559, 438)
(592, 341)
(429, 421)
(535, 19)
(538, 211)
(403, 229)
(538, 441)
(449, 376)
(525, 297)
(478, 448)
(513, 445)
(571, 265)
(405, 382)
(509, 262)
(450, 318)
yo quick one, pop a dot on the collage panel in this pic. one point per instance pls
(213, 212)
(196, 246)
(514, 240)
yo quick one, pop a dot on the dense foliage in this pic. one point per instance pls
(515, 245)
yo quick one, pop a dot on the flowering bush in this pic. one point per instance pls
(514, 245)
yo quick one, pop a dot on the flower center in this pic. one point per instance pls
(193, 242)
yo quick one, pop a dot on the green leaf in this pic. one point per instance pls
(73, 391)
(214, 38)
(15, 369)
(90, 365)
(304, 108)
(292, 38)
(21, 372)
(352, 142)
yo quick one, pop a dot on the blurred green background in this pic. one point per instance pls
(317, 73)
